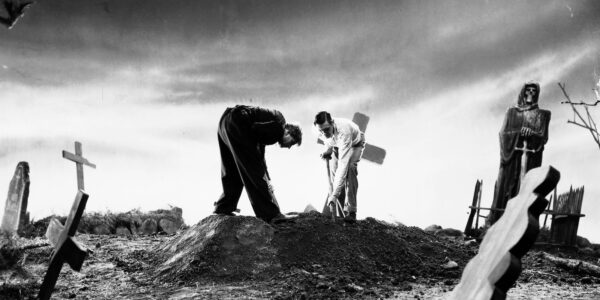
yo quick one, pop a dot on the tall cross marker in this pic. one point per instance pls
(79, 162)
(371, 153)
(62, 237)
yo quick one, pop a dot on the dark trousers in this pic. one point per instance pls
(243, 165)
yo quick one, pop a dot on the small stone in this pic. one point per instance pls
(570, 280)
(353, 287)
(470, 243)
(168, 226)
(586, 280)
(450, 265)
(310, 208)
(304, 272)
(101, 229)
(433, 228)
(322, 285)
(149, 226)
(122, 231)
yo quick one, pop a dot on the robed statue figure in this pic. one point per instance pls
(524, 124)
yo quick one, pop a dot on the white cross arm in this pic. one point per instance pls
(77, 159)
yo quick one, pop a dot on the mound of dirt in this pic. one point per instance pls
(219, 247)
(312, 255)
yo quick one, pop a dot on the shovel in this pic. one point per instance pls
(330, 207)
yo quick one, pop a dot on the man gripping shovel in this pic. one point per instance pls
(344, 144)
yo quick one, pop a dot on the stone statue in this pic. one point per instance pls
(522, 138)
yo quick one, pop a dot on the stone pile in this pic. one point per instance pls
(135, 222)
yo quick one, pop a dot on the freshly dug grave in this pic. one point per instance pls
(314, 255)
(311, 258)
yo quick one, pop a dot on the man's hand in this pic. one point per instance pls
(331, 200)
(526, 131)
(326, 155)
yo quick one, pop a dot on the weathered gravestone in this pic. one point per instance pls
(66, 249)
(15, 210)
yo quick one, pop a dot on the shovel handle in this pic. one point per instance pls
(332, 207)
(329, 176)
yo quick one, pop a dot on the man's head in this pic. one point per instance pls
(324, 123)
(292, 135)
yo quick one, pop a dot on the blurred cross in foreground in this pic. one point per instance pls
(66, 248)
(15, 10)
(587, 122)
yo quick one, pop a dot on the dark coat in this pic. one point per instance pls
(267, 125)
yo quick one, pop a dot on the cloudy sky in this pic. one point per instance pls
(142, 84)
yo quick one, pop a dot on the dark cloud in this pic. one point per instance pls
(401, 52)
(289, 50)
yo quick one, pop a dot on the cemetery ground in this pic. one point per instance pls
(312, 257)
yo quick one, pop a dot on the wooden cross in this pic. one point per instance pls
(371, 153)
(66, 248)
(79, 162)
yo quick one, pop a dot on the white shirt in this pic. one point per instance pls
(345, 136)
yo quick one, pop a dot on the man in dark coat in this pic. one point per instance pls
(524, 122)
(243, 133)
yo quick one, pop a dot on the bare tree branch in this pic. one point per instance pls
(582, 126)
(581, 103)
(590, 124)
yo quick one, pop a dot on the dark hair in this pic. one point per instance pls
(295, 132)
(321, 117)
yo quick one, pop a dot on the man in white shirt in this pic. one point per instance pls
(346, 142)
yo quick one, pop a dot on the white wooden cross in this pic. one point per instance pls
(79, 162)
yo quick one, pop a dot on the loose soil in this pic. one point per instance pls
(319, 259)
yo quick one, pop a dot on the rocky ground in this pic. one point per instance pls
(309, 258)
